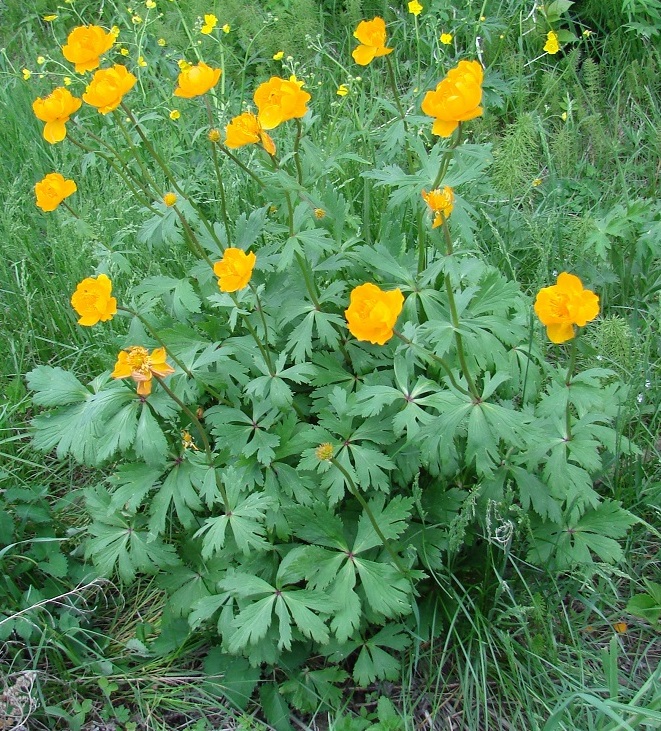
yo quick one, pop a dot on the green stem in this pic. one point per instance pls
(422, 251)
(459, 342)
(168, 174)
(191, 239)
(386, 543)
(136, 154)
(203, 435)
(160, 341)
(262, 349)
(243, 167)
(71, 211)
(297, 157)
(570, 374)
(260, 309)
(447, 156)
(122, 172)
(219, 178)
(393, 86)
(436, 359)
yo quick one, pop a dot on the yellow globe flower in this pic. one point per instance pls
(139, 364)
(85, 45)
(552, 45)
(279, 100)
(92, 300)
(456, 98)
(234, 270)
(564, 305)
(51, 190)
(372, 313)
(440, 202)
(55, 110)
(196, 80)
(107, 88)
(247, 130)
(372, 37)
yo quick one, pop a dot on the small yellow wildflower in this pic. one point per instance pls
(278, 56)
(342, 90)
(41, 60)
(446, 38)
(324, 452)
(482, 18)
(587, 33)
(124, 51)
(136, 20)
(161, 42)
(563, 116)
(227, 28)
(175, 114)
(552, 46)
(150, 4)
(183, 64)
(536, 182)
(49, 18)
(169, 199)
(26, 74)
(415, 8)
(141, 62)
(210, 22)
(214, 135)
(67, 80)
(620, 627)
(319, 213)
(114, 31)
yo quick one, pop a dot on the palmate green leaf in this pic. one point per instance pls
(123, 544)
(55, 387)
(346, 618)
(252, 624)
(574, 542)
(132, 482)
(391, 519)
(275, 707)
(247, 229)
(178, 295)
(371, 467)
(150, 442)
(318, 526)
(245, 520)
(374, 662)
(311, 690)
(386, 590)
(81, 429)
(178, 490)
(186, 587)
(301, 605)
(533, 491)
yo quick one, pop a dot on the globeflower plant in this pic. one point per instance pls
(85, 45)
(279, 100)
(372, 37)
(108, 87)
(313, 404)
(372, 313)
(234, 270)
(565, 305)
(51, 190)
(139, 364)
(246, 129)
(196, 80)
(92, 300)
(55, 110)
(456, 99)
